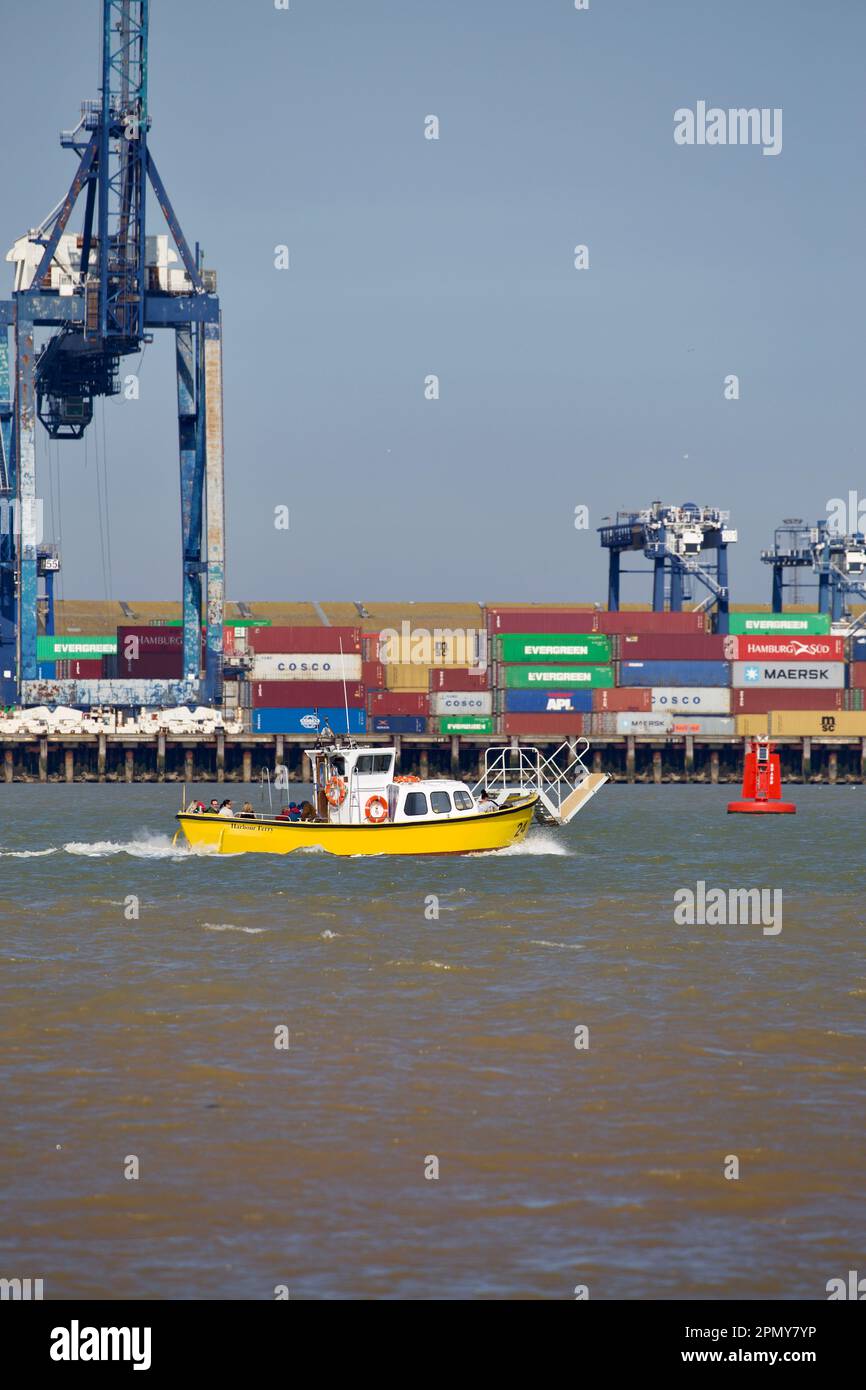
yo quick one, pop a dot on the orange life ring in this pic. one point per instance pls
(335, 791)
(376, 810)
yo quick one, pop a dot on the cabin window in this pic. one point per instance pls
(369, 763)
(440, 802)
(463, 801)
(415, 804)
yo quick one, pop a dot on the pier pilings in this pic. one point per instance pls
(125, 757)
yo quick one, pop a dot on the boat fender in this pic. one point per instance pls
(376, 810)
(335, 791)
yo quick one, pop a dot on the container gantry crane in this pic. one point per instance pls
(838, 560)
(101, 293)
(686, 544)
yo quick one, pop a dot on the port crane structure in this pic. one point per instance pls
(688, 546)
(101, 293)
(837, 560)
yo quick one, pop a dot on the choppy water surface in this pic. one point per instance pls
(412, 1036)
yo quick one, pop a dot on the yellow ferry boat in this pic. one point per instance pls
(360, 807)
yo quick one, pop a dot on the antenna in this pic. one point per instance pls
(345, 696)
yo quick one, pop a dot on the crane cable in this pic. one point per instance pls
(107, 511)
(99, 521)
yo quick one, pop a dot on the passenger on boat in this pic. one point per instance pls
(226, 809)
(308, 810)
(285, 813)
(213, 809)
(486, 802)
(247, 811)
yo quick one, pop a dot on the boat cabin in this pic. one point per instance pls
(357, 786)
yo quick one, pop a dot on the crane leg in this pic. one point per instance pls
(25, 443)
(215, 507)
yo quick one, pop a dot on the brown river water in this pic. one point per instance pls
(431, 1008)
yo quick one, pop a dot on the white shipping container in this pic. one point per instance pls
(443, 702)
(306, 666)
(643, 723)
(704, 724)
(691, 699)
(787, 674)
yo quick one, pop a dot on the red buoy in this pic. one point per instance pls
(762, 782)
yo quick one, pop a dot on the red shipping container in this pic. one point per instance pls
(151, 653)
(391, 702)
(857, 675)
(84, 670)
(228, 641)
(305, 639)
(458, 678)
(814, 648)
(762, 701)
(540, 620)
(305, 694)
(695, 646)
(373, 674)
(155, 666)
(149, 640)
(660, 624)
(557, 725)
(638, 700)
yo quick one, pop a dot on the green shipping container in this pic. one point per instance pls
(67, 647)
(548, 677)
(779, 624)
(558, 648)
(467, 724)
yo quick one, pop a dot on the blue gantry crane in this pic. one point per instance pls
(101, 293)
(688, 545)
(838, 561)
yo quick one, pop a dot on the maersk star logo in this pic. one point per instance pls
(752, 673)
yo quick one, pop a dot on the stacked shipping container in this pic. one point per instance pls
(298, 673)
(549, 673)
(687, 679)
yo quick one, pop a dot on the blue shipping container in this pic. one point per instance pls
(858, 648)
(291, 721)
(633, 673)
(398, 724)
(548, 701)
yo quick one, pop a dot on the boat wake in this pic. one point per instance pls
(146, 847)
(25, 853)
(540, 843)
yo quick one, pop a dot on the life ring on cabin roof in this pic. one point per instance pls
(376, 810)
(335, 791)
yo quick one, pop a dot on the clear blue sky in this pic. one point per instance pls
(454, 257)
